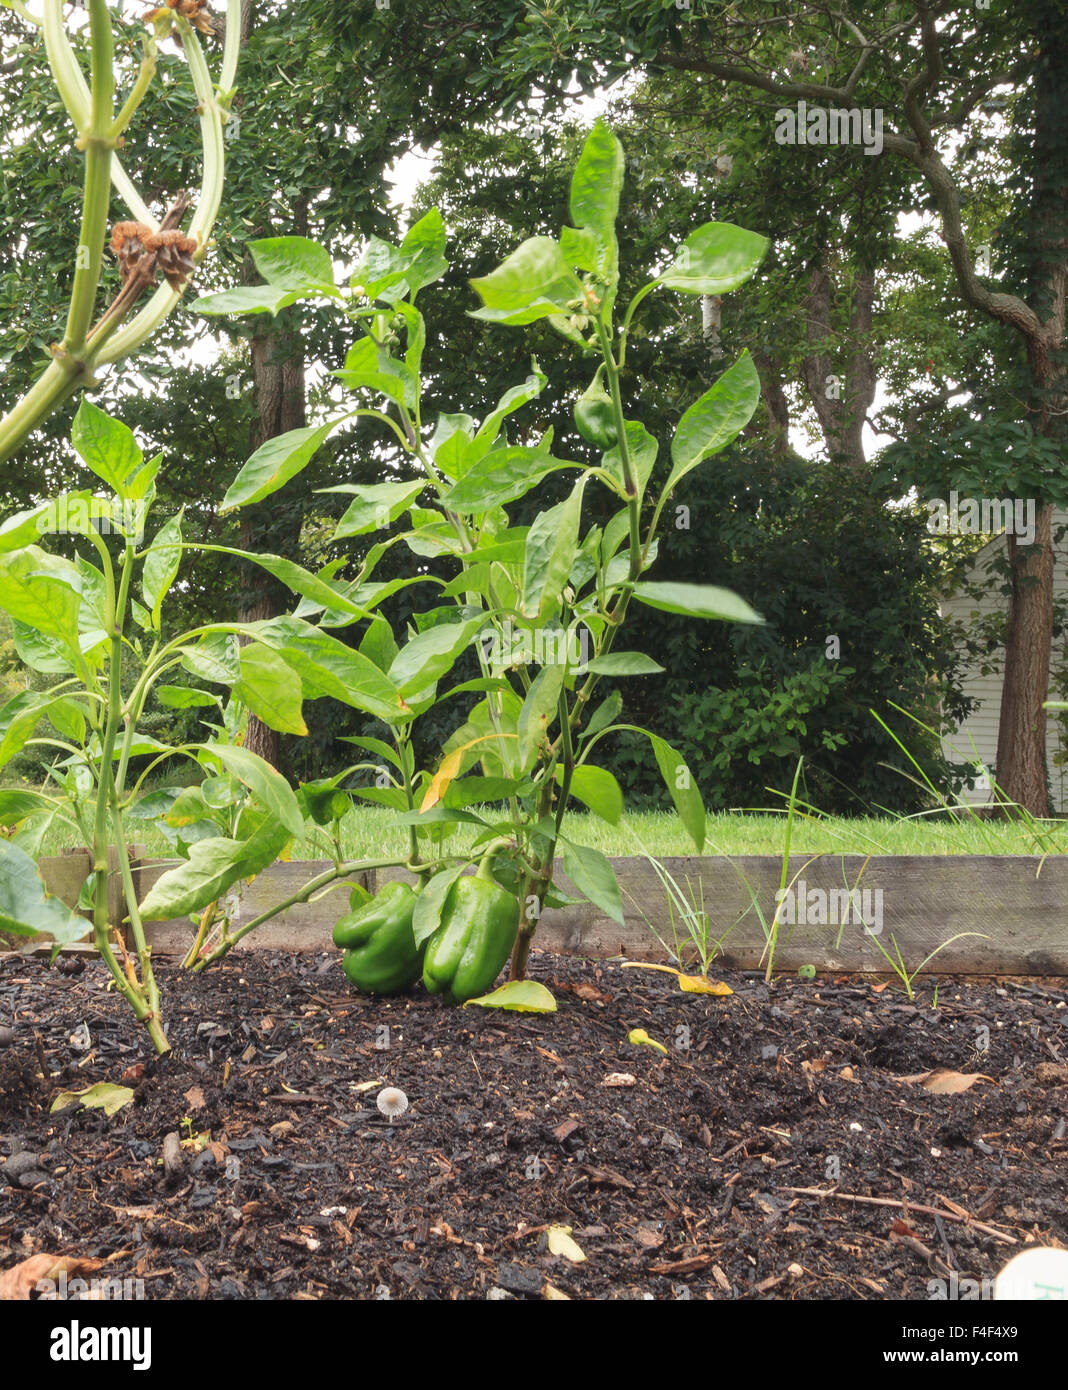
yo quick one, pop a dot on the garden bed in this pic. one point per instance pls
(682, 1184)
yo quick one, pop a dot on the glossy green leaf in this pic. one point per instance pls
(431, 654)
(268, 786)
(596, 788)
(682, 788)
(371, 368)
(293, 263)
(103, 1095)
(696, 601)
(513, 399)
(247, 299)
(551, 545)
(161, 566)
(500, 477)
(25, 908)
(185, 697)
(595, 189)
(274, 463)
(718, 417)
(106, 446)
(271, 689)
(42, 591)
(327, 666)
(624, 664)
(715, 259)
(532, 283)
(377, 505)
(592, 874)
(213, 867)
(538, 712)
(431, 903)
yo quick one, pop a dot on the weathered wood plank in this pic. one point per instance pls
(306, 927)
(920, 901)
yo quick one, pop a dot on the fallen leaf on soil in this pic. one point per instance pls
(560, 1243)
(900, 1228)
(943, 1082)
(697, 984)
(194, 1098)
(640, 1038)
(584, 990)
(563, 1130)
(523, 996)
(554, 1295)
(103, 1096)
(814, 1065)
(18, 1283)
(358, 1087)
(132, 1075)
(619, 1078)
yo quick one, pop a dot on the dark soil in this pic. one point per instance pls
(675, 1186)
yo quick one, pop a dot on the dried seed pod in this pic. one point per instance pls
(129, 241)
(174, 255)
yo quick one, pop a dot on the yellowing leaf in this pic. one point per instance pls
(560, 1243)
(524, 996)
(554, 1295)
(698, 984)
(640, 1037)
(103, 1096)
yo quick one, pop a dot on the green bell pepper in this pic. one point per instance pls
(381, 956)
(595, 415)
(478, 928)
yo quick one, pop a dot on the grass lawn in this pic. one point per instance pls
(370, 833)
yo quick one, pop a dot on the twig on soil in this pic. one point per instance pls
(905, 1206)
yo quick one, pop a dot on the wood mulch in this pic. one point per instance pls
(777, 1151)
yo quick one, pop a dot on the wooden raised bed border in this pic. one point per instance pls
(1020, 907)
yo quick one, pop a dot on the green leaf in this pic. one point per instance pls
(683, 790)
(431, 903)
(212, 868)
(423, 251)
(643, 451)
(512, 400)
(103, 1096)
(16, 805)
(370, 367)
(42, 591)
(184, 697)
(427, 657)
(607, 712)
(718, 417)
(274, 463)
(551, 545)
(595, 189)
(294, 263)
(502, 476)
(271, 689)
(596, 788)
(25, 908)
(539, 710)
(247, 299)
(534, 282)
(522, 996)
(715, 259)
(322, 800)
(696, 601)
(106, 446)
(329, 667)
(18, 720)
(376, 506)
(268, 786)
(592, 874)
(161, 566)
(624, 664)
(213, 658)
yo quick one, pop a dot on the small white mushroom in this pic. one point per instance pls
(392, 1102)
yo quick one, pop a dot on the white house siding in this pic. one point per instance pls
(977, 736)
